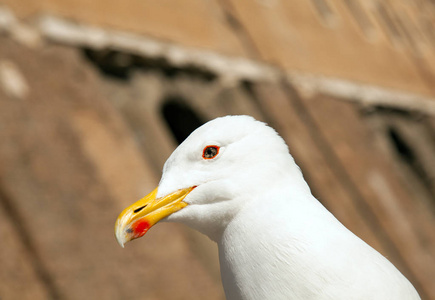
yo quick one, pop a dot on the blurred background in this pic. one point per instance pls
(95, 95)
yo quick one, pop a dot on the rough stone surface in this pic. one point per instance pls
(193, 23)
(390, 45)
(291, 34)
(69, 166)
(16, 265)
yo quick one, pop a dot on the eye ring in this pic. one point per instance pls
(210, 152)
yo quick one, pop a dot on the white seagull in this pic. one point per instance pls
(234, 180)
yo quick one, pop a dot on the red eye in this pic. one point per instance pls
(210, 152)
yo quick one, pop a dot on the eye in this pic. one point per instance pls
(210, 152)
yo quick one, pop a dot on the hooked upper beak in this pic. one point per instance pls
(139, 217)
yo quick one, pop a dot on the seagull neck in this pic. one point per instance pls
(256, 240)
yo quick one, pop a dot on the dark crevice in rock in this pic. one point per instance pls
(181, 119)
(121, 65)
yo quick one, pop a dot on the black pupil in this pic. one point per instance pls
(210, 152)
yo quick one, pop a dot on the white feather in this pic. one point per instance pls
(276, 241)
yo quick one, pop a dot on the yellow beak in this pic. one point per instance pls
(136, 219)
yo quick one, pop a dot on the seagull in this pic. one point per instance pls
(234, 180)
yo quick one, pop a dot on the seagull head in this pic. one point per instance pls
(211, 176)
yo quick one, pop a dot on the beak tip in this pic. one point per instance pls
(121, 242)
(120, 237)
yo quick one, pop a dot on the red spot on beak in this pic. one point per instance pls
(140, 228)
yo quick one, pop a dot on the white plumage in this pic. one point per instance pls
(276, 241)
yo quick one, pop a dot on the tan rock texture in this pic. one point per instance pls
(386, 43)
(69, 165)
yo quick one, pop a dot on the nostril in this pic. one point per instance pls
(139, 209)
